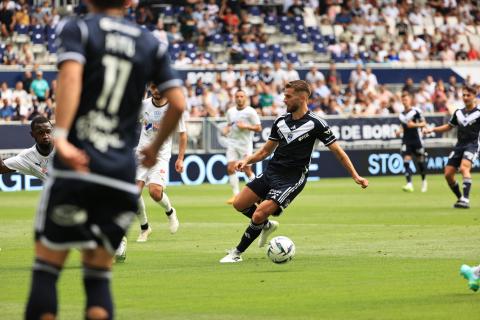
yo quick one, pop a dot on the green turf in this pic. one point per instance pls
(361, 254)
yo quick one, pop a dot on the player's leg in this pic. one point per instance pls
(407, 158)
(158, 194)
(465, 168)
(257, 223)
(42, 301)
(454, 160)
(97, 272)
(421, 157)
(232, 157)
(145, 228)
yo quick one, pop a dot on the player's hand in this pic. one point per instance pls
(427, 130)
(71, 156)
(397, 133)
(242, 125)
(179, 165)
(226, 130)
(361, 181)
(148, 156)
(240, 165)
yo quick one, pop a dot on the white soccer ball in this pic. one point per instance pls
(281, 249)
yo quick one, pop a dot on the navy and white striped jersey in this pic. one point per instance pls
(468, 125)
(119, 59)
(296, 140)
(411, 135)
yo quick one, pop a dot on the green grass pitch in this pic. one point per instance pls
(361, 254)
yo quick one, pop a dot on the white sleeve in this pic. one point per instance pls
(18, 164)
(254, 117)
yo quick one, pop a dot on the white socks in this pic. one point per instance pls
(165, 202)
(142, 214)
(233, 179)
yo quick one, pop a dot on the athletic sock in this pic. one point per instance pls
(251, 233)
(455, 189)
(97, 288)
(408, 172)
(142, 213)
(43, 291)
(249, 211)
(467, 184)
(233, 179)
(165, 203)
(421, 169)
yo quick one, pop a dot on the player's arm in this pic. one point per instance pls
(68, 98)
(169, 122)
(439, 129)
(182, 146)
(345, 161)
(399, 131)
(259, 155)
(251, 127)
(4, 168)
(412, 124)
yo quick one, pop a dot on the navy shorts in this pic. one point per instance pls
(279, 187)
(412, 149)
(468, 152)
(83, 215)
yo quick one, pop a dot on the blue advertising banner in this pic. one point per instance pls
(211, 168)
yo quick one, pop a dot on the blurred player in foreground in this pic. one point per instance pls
(292, 139)
(90, 196)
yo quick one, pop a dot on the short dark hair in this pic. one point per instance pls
(104, 4)
(38, 120)
(299, 86)
(470, 88)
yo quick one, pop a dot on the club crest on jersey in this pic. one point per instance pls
(289, 136)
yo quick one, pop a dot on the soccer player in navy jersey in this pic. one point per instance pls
(292, 139)
(467, 122)
(90, 196)
(412, 120)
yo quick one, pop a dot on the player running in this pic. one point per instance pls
(33, 161)
(292, 139)
(412, 121)
(156, 177)
(242, 122)
(90, 196)
(467, 122)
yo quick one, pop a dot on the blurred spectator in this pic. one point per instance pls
(291, 74)
(439, 98)
(173, 35)
(313, 75)
(27, 79)
(5, 92)
(6, 18)
(25, 56)
(409, 86)
(10, 55)
(40, 87)
(7, 111)
(19, 93)
(187, 23)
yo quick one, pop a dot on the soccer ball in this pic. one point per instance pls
(281, 249)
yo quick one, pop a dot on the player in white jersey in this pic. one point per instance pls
(33, 161)
(242, 122)
(156, 177)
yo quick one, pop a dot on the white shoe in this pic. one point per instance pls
(272, 226)
(424, 186)
(143, 236)
(121, 253)
(173, 221)
(233, 256)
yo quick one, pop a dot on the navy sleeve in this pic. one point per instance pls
(453, 120)
(164, 75)
(274, 136)
(325, 134)
(72, 35)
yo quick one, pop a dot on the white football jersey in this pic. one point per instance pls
(30, 162)
(150, 118)
(241, 137)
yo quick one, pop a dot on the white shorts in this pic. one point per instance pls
(158, 174)
(236, 154)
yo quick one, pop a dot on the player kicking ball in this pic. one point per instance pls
(292, 139)
(155, 178)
